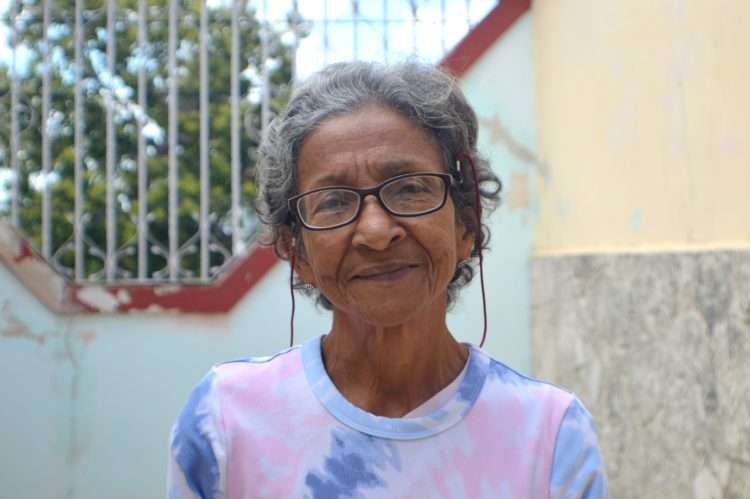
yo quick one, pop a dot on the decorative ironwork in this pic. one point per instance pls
(133, 125)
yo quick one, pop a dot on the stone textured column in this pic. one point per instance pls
(658, 348)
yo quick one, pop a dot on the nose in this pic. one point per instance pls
(376, 228)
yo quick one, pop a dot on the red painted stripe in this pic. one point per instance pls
(64, 296)
(483, 35)
(217, 297)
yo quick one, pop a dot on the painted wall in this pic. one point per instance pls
(500, 88)
(88, 400)
(643, 125)
(640, 299)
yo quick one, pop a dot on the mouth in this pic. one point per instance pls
(384, 272)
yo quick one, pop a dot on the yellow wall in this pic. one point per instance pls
(643, 115)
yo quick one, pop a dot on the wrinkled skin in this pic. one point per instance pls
(386, 276)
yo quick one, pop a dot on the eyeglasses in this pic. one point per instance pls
(409, 195)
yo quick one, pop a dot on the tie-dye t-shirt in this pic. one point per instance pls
(278, 428)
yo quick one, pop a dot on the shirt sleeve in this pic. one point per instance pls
(577, 467)
(196, 451)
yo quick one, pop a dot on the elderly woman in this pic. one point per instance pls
(369, 184)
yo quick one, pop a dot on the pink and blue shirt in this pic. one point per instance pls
(277, 427)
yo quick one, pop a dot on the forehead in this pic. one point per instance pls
(364, 147)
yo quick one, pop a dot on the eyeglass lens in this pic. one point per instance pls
(410, 195)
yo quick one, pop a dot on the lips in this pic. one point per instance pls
(383, 270)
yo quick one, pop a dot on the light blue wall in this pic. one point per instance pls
(88, 401)
(500, 88)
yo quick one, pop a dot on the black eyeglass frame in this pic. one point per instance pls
(293, 202)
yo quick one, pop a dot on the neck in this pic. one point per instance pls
(390, 370)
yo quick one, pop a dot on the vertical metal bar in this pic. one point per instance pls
(14, 212)
(442, 27)
(78, 270)
(142, 171)
(468, 15)
(235, 126)
(414, 14)
(326, 47)
(295, 30)
(173, 257)
(386, 23)
(111, 227)
(204, 137)
(355, 28)
(266, 93)
(46, 198)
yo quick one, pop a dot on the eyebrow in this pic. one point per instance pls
(386, 170)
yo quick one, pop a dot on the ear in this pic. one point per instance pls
(303, 269)
(294, 251)
(465, 239)
(286, 243)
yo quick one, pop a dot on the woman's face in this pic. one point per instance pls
(380, 268)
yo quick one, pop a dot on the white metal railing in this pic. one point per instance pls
(64, 66)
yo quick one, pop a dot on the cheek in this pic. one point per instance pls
(326, 254)
(440, 245)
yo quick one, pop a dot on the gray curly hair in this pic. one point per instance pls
(424, 94)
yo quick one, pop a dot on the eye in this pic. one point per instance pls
(414, 186)
(411, 187)
(332, 201)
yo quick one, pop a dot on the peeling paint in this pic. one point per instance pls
(63, 296)
(10, 242)
(500, 135)
(167, 290)
(98, 298)
(123, 296)
(87, 337)
(75, 449)
(36, 274)
(44, 282)
(151, 308)
(518, 193)
(24, 252)
(13, 327)
(158, 308)
(635, 220)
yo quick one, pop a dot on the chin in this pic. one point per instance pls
(391, 311)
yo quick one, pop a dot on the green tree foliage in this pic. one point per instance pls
(120, 91)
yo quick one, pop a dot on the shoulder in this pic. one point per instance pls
(544, 409)
(227, 381)
(229, 391)
(562, 425)
(577, 468)
(251, 371)
(533, 394)
(244, 375)
(245, 385)
(196, 445)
